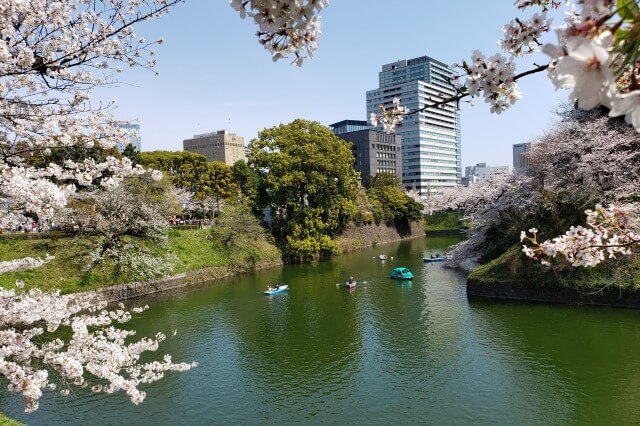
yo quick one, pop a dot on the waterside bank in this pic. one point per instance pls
(514, 276)
(200, 261)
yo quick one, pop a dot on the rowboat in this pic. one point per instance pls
(382, 257)
(281, 289)
(432, 259)
(349, 285)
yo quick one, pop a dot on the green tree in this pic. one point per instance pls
(306, 176)
(185, 168)
(218, 182)
(245, 178)
(387, 195)
(132, 154)
(237, 226)
(239, 233)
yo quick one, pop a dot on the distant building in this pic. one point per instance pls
(431, 138)
(133, 130)
(481, 172)
(374, 151)
(520, 157)
(347, 126)
(217, 146)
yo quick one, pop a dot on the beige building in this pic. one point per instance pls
(217, 146)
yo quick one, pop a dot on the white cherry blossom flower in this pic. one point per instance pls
(585, 69)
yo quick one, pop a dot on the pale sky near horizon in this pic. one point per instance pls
(214, 75)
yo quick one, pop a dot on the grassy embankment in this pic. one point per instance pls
(514, 266)
(444, 222)
(7, 421)
(195, 249)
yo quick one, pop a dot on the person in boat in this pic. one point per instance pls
(277, 287)
(351, 281)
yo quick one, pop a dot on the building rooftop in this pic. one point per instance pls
(219, 132)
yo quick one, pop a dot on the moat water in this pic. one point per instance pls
(388, 352)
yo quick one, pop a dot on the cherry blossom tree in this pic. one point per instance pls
(52, 54)
(587, 158)
(286, 27)
(52, 342)
(592, 159)
(491, 206)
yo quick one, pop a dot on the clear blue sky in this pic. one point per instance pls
(213, 71)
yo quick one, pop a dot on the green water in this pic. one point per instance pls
(385, 353)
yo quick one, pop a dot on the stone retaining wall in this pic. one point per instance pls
(356, 237)
(520, 290)
(192, 278)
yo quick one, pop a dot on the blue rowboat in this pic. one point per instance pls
(279, 290)
(401, 274)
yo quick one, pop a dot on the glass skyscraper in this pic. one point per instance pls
(431, 139)
(133, 137)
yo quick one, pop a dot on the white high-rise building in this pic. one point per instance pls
(133, 138)
(431, 139)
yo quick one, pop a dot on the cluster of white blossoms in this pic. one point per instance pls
(24, 264)
(52, 54)
(492, 77)
(91, 352)
(523, 36)
(286, 27)
(595, 55)
(607, 234)
(389, 118)
(27, 190)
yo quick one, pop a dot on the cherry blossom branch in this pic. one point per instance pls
(607, 235)
(94, 353)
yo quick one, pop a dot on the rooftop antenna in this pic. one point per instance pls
(229, 128)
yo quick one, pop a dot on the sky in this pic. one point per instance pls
(214, 75)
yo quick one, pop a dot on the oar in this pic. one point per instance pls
(363, 282)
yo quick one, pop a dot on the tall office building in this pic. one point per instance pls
(133, 128)
(217, 146)
(520, 158)
(431, 139)
(373, 151)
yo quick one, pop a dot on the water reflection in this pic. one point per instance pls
(386, 352)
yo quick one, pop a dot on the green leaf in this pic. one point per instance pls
(628, 9)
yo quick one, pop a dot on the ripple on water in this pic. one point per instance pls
(382, 354)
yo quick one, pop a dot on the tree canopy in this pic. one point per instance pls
(387, 194)
(306, 176)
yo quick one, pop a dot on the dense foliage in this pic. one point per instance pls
(306, 177)
(207, 182)
(123, 231)
(588, 157)
(390, 202)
